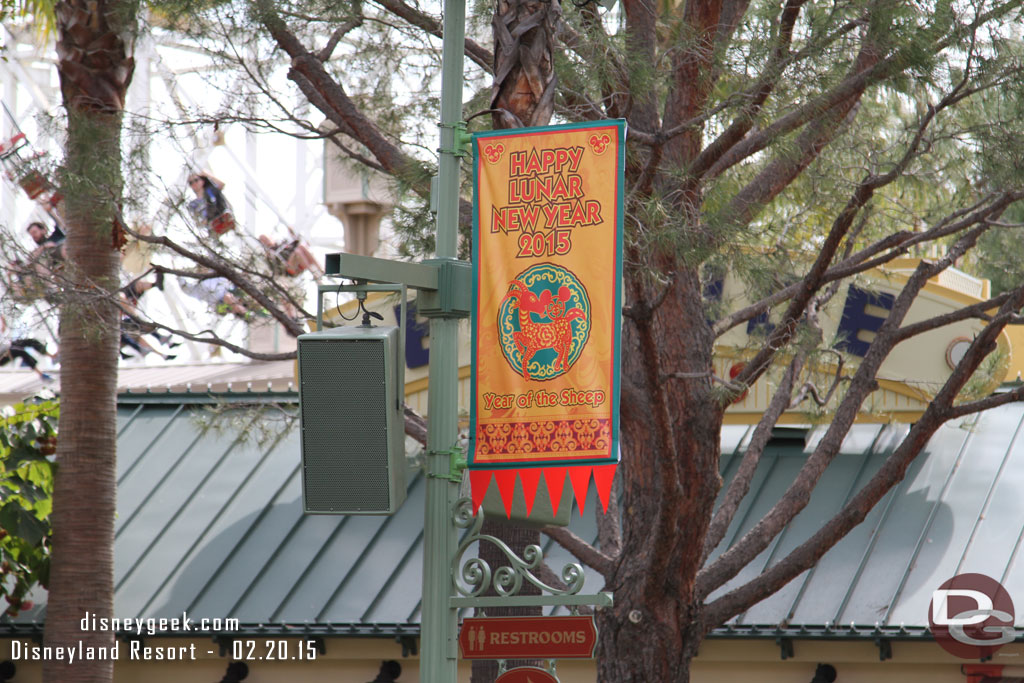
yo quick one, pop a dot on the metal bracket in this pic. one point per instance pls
(456, 464)
(409, 645)
(353, 266)
(445, 285)
(884, 648)
(224, 644)
(454, 294)
(785, 647)
(462, 139)
(474, 576)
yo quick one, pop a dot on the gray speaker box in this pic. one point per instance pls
(351, 385)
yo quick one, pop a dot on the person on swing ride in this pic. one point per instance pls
(210, 206)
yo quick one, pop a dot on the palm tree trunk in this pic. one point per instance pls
(95, 68)
(523, 92)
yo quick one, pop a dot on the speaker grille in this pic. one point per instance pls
(344, 425)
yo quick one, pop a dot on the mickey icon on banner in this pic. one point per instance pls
(543, 333)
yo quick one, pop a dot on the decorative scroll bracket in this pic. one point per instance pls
(472, 577)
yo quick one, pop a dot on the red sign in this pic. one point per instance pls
(526, 674)
(528, 638)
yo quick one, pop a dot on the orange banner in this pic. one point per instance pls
(547, 259)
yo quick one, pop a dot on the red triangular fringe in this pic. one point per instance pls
(530, 478)
(580, 477)
(507, 488)
(604, 475)
(479, 480)
(555, 479)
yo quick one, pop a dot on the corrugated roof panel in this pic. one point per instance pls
(149, 451)
(956, 513)
(999, 528)
(153, 537)
(958, 509)
(213, 525)
(860, 439)
(828, 498)
(392, 605)
(826, 590)
(894, 550)
(315, 541)
(371, 573)
(242, 552)
(214, 536)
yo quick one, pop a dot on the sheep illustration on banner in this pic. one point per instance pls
(547, 304)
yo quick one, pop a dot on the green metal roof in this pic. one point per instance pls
(211, 523)
(957, 510)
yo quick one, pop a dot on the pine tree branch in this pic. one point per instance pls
(856, 82)
(341, 106)
(892, 471)
(890, 247)
(979, 311)
(692, 82)
(757, 95)
(347, 26)
(641, 39)
(327, 95)
(480, 55)
(796, 497)
(581, 550)
(740, 483)
(858, 200)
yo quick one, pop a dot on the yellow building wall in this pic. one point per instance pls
(746, 661)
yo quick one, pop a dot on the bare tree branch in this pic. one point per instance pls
(228, 272)
(339, 33)
(889, 474)
(207, 337)
(480, 55)
(580, 549)
(740, 483)
(796, 497)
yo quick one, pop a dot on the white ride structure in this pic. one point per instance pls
(276, 183)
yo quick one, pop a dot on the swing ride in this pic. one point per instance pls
(29, 192)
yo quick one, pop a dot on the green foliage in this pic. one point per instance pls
(260, 424)
(998, 255)
(28, 438)
(41, 11)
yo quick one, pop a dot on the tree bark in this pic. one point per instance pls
(95, 68)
